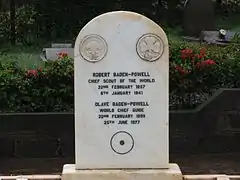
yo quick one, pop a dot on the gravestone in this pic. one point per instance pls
(52, 53)
(121, 100)
(61, 45)
(56, 48)
(198, 16)
(213, 37)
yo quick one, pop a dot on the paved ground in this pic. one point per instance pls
(190, 164)
(209, 163)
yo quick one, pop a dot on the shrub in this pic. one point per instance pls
(10, 84)
(189, 85)
(195, 73)
(192, 71)
(37, 90)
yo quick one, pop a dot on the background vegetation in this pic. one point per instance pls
(195, 73)
(29, 85)
(38, 20)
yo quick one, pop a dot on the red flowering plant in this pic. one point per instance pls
(62, 55)
(50, 67)
(191, 70)
(49, 88)
(34, 72)
(191, 61)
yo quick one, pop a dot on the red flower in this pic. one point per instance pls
(205, 63)
(198, 65)
(199, 56)
(184, 56)
(32, 72)
(209, 62)
(203, 52)
(186, 53)
(181, 70)
(62, 55)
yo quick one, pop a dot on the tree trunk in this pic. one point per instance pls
(13, 22)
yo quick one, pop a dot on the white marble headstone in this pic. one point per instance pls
(121, 93)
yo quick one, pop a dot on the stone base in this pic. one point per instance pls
(173, 173)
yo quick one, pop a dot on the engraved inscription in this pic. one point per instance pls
(93, 48)
(150, 47)
(121, 111)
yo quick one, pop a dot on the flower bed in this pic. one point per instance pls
(191, 76)
(195, 73)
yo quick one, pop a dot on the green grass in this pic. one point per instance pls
(27, 57)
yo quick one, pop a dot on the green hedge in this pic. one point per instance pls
(37, 90)
(195, 73)
(193, 80)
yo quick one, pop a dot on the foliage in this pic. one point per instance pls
(196, 71)
(230, 5)
(37, 90)
(10, 84)
(26, 56)
(25, 24)
(4, 26)
(60, 19)
(219, 68)
(192, 73)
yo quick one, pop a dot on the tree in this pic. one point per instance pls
(12, 21)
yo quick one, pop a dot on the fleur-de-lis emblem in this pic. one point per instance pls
(93, 48)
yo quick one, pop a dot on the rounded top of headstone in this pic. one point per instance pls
(111, 29)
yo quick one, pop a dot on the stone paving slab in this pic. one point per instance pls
(189, 164)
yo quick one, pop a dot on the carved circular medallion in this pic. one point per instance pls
(122, 143)
(150, 47)
(93, 48)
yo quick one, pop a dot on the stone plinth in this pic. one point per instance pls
(173, 173)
